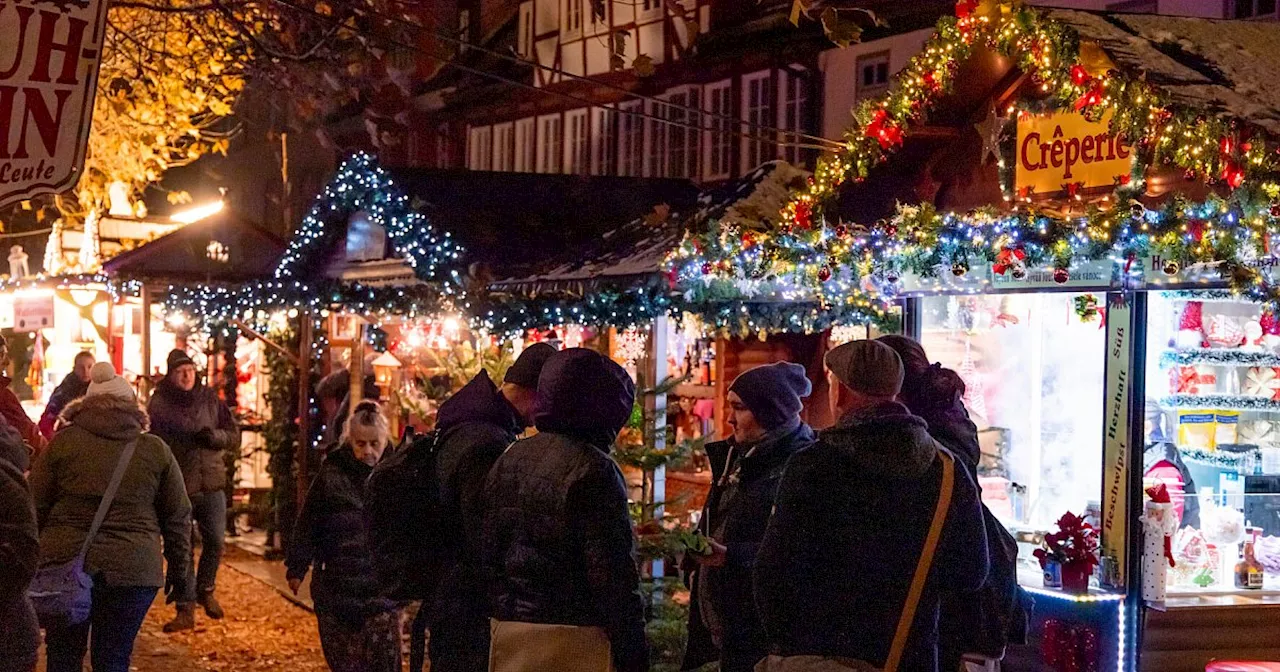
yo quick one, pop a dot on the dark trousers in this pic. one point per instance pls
(460, 644)
(209, 511)
(371, 646)
(114, 622)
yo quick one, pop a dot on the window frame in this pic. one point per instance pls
(718, 134)
(791, 112)
(604, 140)
(754, 150)
(631, 138)
(503, 147)
(525, 145)
(524, 31)
(577, 148)
(550, 145)
(568, 31)
(684, 136)
(863, 91)
(479, 147)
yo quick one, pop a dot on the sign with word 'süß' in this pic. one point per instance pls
(49, 57)
(1064, 148)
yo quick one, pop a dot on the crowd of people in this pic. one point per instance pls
(861, 546)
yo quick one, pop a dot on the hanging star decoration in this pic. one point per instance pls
(992, 130)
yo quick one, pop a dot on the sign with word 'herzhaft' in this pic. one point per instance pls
(49, 56)
(1065, 151)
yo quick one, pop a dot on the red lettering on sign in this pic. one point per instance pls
(24, 17)
(70, 50)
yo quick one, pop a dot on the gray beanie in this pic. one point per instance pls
(773, 392)
(869, 367)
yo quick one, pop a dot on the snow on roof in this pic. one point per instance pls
(1221, 66)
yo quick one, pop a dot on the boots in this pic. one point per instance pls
(211, 607)
(185, 620)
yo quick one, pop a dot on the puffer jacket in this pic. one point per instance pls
(69, 479)
(476, 424)
(329, 538)
(850, 521)
(70, 389)
(557, 541)
(181, 418)
(19, 555)
(744, 483)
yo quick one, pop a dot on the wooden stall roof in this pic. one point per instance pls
(220, 248)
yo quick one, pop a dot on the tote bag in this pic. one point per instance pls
(542, 647)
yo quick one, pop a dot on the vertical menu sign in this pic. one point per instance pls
(50, 51)
(1115, 454)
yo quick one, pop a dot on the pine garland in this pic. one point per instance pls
(1218, 357)
(1226, 402)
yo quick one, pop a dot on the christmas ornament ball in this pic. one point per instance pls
(1019, 273)
(824, 273)
(1171, 268)
(959, 270)
(1061, 276)
(1137, 210)
(706, 268)
(1275, 209)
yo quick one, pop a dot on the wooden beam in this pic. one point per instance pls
(292, 357)
(304, 406)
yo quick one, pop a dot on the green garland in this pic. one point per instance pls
(1225, 402)
(1218, 357)
(1219, 459)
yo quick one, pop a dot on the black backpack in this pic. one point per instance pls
(407, 522)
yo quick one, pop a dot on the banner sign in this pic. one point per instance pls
(32, 312)
(49, 58)
(1065, 148)
(1115, 441)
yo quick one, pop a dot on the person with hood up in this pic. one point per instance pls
(558, 549)
(764, 404)
(200, 430)
(359, 625)
(852, 518)
(19, 556)
(475, 425)
(72, 387)
(124, 558)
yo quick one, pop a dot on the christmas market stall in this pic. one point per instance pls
(1088, 241)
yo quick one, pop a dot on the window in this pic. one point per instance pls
(503, 147)
(630, 138)
(604, 158)
(525, 147)
(524, 36)
(682, 133)
(649, 9)
(366, 241)
(599, 12)
(656, 163)
(550, 151)
(576, 155)
(1247, 9)
(464, 26)
(873, 75)
(443, 148)
(757, 110)
(719, 106)
(480, 148)
(794, 102)
(572, 18)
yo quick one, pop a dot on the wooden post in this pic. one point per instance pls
(145, 387)
(355, 392)
(304, 405)
(657, 403)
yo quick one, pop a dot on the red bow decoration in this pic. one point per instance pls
(804, 215)
(883, 130)
(966, 8)
(1091, 97)
(1186, 380)
(1008, 258)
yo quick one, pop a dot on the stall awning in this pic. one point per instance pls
(222, 248)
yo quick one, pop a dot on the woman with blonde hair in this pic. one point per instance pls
(359, 625)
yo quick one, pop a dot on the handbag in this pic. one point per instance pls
(538, 647)
(62, 593)
(811, 663)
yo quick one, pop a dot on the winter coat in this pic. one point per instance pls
(744, 482)
(849, 524)
(69, 479)
(181, 418)
(1166, 451)
(70, 389)
(476, 424)
(929, 397)
(12, 411)
(19, 555)
(329, 537)
(557, 542)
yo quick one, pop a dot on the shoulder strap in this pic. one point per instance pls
(107, 497)
(926, 562)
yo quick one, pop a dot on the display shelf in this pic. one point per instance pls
(1218, 459)
(1206, 296)
(1221, 402)
(1231, 357)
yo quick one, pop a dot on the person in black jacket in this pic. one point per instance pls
(557, 541)
(476, 424)
(19, 555)
(934, 394)
(359, 626)
(850, 522)
(765, 405)
(72, 387)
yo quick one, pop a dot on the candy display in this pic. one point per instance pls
(1222, 526)
(1196, 429)
(1258, 432)
(1224, 332)
(1262, 381)
(1226, 426)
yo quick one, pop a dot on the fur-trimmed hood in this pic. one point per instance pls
(107, 416)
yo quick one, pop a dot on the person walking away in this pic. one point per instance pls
(72, 387)
(359, 626)
(11, 408)
(856, 520)
(124, 557)
(764, 411)
(199, 429)
(19, 556)
(474, 426)
(558, 549)
(986, 622)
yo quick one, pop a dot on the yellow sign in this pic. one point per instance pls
(1116, 452)
(1063, 149)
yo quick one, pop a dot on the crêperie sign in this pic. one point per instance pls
(1064, 151)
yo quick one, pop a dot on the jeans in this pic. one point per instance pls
(209, 511)
(114, 621)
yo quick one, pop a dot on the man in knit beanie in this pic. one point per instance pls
(850, 521)
(764, 411)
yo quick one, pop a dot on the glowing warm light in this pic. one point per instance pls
(197, 213)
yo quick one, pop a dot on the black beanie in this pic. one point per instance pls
(773, 392)
(178, 357)
(528, 366)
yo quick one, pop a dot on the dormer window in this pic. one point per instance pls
(366, 241)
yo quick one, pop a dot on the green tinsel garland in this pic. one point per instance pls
(1218, 357)
(1226, 402)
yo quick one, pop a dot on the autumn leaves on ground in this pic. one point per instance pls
(262, 631)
